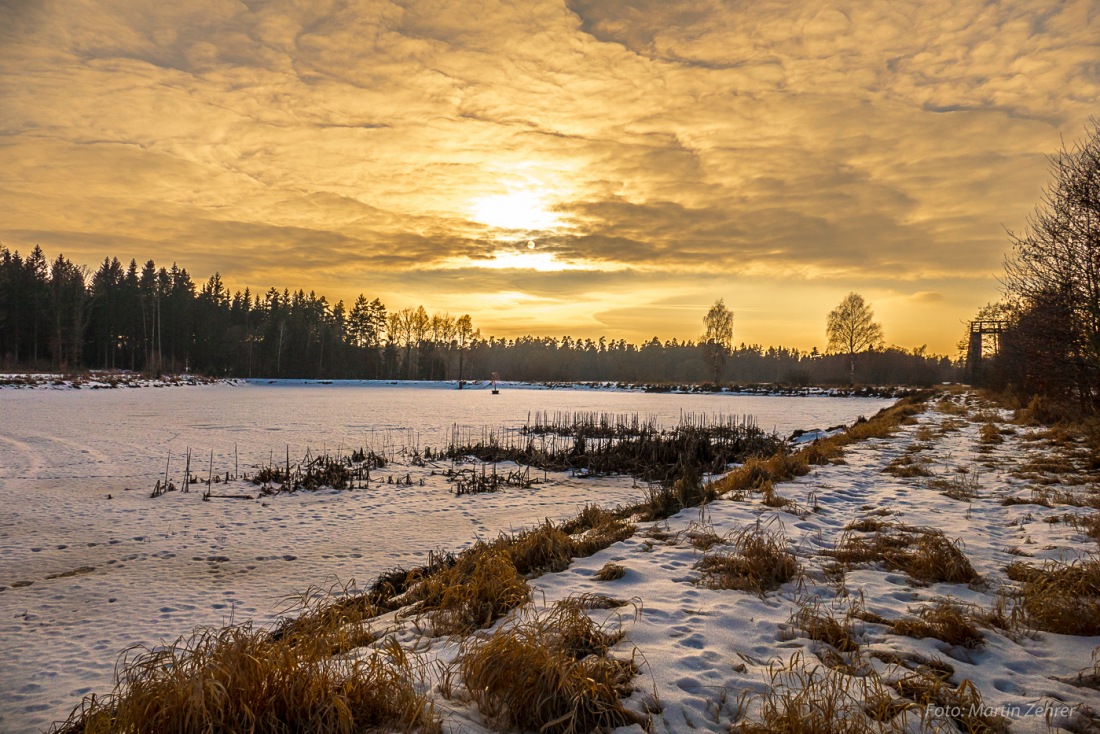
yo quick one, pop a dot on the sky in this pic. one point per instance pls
(581, 167)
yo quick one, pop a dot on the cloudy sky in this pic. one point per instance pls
(552, 166)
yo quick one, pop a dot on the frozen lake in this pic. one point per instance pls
(83, 576)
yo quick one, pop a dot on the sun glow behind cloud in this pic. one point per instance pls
(517, 210)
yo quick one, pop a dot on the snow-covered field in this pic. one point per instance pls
(706, 651)
(83, 576)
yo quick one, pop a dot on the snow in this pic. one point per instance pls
(135, 570)
(162, 566)
(705, 647)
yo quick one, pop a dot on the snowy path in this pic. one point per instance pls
(704, 648)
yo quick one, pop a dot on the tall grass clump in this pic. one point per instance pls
(241, 679)
(549, 673)
(1061, 597)
(480, 588)
(946, 621)
(804, 699)
(757, 561)
(923, 553)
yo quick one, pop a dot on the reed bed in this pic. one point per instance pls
(596, 445)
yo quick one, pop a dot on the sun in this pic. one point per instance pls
(517, 210)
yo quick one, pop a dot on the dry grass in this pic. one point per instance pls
(990, 436)
(758, 561)
(803, 699)
(1088, 524)
(923, 553)
(664, 501)
(591, 516)
(962, 703)
(867, 524)
(336, 614)
(1090, 676)
(962, 487)
(773, 499)
(549, 673)
(756, 473)
(946, 621)
(602, 536)
(480, 588)
(545, 548)
(610, 572)
(950, 407)
(915, 662)
(1038, 497)
(594, 601)
(1060, 597)
(906, 466)
(702, 537)
(240, 679)
(826, 627)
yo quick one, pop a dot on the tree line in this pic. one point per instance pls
(58, 315)
(1050, 345)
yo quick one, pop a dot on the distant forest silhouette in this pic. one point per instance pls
(57, 315)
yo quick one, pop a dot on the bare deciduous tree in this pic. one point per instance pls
(1055, 264)
(718, 337)
(851, 328)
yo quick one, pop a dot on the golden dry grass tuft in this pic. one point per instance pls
(923, 553)
(549, 673)
(962, 487)
(542, 549)
(949, 406)
(702, 536)
(480, 588)
(758, 561)
(906, 466)
(825, 627)
(601, 536)
(773, 499)
(1038, 497)
(962, 703)
(867, 524)
(814, 699)
(946, 621)
(241, 679)
(990, 435)
(611, 572)
(1060, 597)
(338, 614)
(756, 473)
